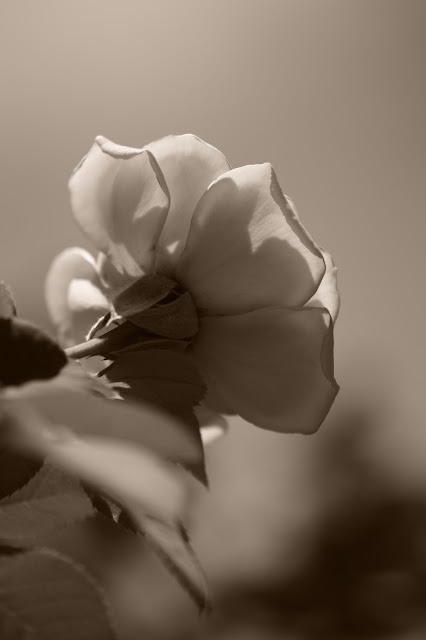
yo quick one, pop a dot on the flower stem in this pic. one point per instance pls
(104, 344)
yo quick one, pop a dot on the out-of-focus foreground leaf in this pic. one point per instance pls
(171, 542)
(120, 469)
(87, 415)
(44, 594)
(118, 451)
(15, 471)
(22, 523)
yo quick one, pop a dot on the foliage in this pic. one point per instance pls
(73, 459)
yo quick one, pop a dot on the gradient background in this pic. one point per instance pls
(333, 93)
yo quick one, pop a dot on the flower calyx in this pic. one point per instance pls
(152, 310)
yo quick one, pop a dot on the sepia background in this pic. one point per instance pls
(301, 537)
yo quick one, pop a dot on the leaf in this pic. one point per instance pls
(126, 567)
(99, 544)
(175, 318)
(165, 378)
(87, 415)
(43, 594)
(142, 294)
(16, 470)
(48, 481)
(22, 523)
(116, 468)
(158, 305)
(27, 353)
(171, 543)
(7, 301)
(153, 342)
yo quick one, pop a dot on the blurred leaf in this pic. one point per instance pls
(44, 594)
(27, 353)
(16, 470)
(87, 415)
(76, 376)
(22, 523)
(170, 541)
(116, 468)
(7, 301)
(127, 569)
(48, 481)
(98, 543)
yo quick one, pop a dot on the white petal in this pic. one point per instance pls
(189, 166)
(73, 294)
(120, 200)
(84, 295)
(246, 247)
(273, 367)
(327, 294)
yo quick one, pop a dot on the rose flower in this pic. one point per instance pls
(201, 269)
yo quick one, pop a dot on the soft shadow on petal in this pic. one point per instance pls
(189, 166)
(74, 295)
(274, 366)
(246, 247)
(327, 294)
(120, 199)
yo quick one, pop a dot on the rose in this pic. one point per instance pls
(263, 292)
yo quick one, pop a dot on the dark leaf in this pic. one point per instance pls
(165, 378)
(27, 353)
(176, 318)
(142, 294)
(100, 504)
(16, 470)
(150, 343)
(44, 594)
(48, 481)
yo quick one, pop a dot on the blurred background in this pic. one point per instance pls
(302, 537)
